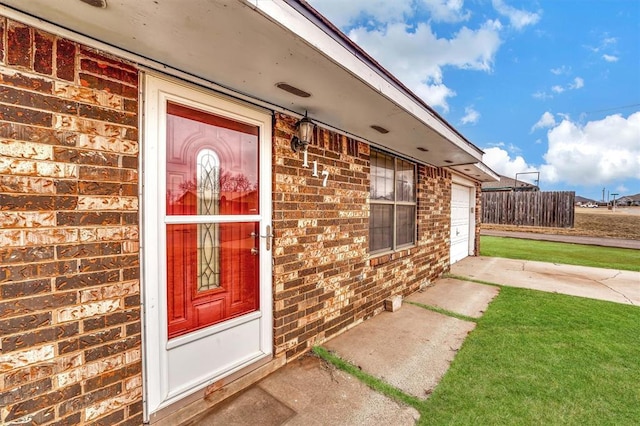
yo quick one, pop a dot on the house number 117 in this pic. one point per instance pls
(324, 173)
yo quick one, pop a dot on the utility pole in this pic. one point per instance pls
(603, 194)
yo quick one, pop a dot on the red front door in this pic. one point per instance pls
(212, 182)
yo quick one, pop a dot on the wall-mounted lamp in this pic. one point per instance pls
(304, 134)
(96, 3)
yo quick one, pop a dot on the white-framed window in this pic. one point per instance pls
(392, 220)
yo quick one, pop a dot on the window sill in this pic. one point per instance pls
(382, 258)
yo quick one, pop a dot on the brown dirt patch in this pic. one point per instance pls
(623, 223)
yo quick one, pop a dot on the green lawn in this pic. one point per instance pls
(536, 359)
(539, 358)
(572, 254)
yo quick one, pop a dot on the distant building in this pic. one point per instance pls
(585, 202)
(582, 200)
(629, 200)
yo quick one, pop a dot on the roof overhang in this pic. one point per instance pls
(247, 47)
(477, 171)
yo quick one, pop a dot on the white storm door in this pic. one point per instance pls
(460, 221)
(207, 260)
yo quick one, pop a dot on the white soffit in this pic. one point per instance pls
(281, 12)
(248, 48)
(478, 171)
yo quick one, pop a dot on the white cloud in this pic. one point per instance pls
(398, 36)
(417, 56)
(578, 83)
(343, 13)
(543, 96)
(435, 94)
(547, 120)
(446, 10)
(496, 144)
(471, 116)
(597, 152)
(606, 43)
(517, 18)
(621, 189)
(610, 58)
(501, 161)
(514, 149)
(560, 70)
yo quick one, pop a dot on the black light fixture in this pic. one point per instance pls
(96, 3)
(304, 136)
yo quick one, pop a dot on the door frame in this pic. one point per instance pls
(470, 185)
(157, 89)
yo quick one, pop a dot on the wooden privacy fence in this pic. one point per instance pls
(549, 209)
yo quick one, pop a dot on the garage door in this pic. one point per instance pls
(460, 216)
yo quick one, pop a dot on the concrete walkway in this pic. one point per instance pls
(573, 239)
(308, 391)
(595, 283)
(410, 349)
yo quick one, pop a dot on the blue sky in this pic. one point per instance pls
(549, 86)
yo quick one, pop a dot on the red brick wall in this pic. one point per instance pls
(324, 278)
(69, 267)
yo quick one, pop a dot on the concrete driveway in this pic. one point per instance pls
(595, 283)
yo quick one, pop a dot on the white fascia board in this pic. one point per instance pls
(286, 16)
(491, 175)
